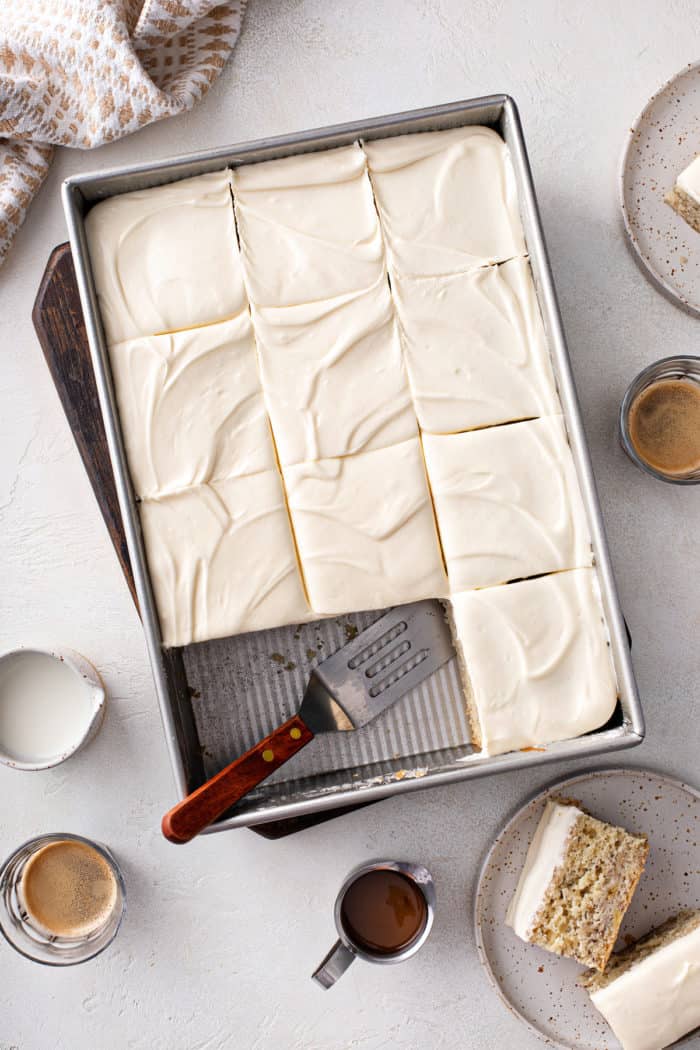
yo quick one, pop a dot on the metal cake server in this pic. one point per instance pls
(345, 692)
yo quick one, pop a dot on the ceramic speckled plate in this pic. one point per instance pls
(664, 140)
(540, 988)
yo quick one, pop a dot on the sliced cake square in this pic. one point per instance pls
(166, 258)
(334, 377)
(308, 227)
(222, 559)
(447, 199)
(507, 502)
(579, 877)
(475, 348)
(650, 993)
(365, 529)
(191, 407)
(535, 661)
(684, 198)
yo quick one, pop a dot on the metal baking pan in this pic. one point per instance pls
(217, 698)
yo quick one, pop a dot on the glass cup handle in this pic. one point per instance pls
(334, 965)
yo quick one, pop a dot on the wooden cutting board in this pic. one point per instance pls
(59, 324)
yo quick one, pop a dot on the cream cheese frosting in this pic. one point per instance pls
(166, 258)
(657, 1000)
(191, 407)
(689, 180)
(222, 559)
(545, 855)
(308, 227)
(537, 659)
(475, 348)
(365, 530)
(195, 382)
(447, 199)
(507, 502)
(334, 376)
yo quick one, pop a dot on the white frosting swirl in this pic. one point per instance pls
(537, 658)
(334, 377)
(657, 1000)
(475, 347)
(365, 529)
(222, 559)
(191, 407)
(166, 258)
(447, 199)
(507, 502)
(308, 227)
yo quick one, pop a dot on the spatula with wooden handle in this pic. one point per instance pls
(346, 691)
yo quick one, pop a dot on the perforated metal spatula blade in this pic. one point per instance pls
(377, 668)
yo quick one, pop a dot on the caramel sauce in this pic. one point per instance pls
(383, 911)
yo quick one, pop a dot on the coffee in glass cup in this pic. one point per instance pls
(62, 899)
(660, 420)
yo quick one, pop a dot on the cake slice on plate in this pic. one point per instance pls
(684, 198)
(579, 877)
(650, 993)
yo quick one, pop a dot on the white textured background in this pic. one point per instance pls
(221, 936)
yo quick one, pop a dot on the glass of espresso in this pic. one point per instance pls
(62, 899)
(660, 420)
(383, 914)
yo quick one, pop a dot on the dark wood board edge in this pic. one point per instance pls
(59, 325)
(279, 829)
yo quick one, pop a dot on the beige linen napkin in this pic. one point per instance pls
(85, 72)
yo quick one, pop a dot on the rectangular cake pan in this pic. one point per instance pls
(217, 698)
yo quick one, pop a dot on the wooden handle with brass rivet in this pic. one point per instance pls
(198, 810)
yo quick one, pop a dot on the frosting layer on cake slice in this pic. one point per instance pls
(685, 195)
(308, 227)
(689, 180)
(475, 348)
(577, 882)
(447, 200)
(333, 375)
(166, 258)
(546, 854)
(650, 992)
(222, 559)
(535, 660)
(365, 529)
(191, 407)
(507, 502)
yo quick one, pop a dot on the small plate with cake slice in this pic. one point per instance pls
(660, 189)
(587, 911)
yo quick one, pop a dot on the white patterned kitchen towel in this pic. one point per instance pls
(84, 72)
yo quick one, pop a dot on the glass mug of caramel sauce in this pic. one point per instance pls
(62, 899)
(383, 914)
(660, 420)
